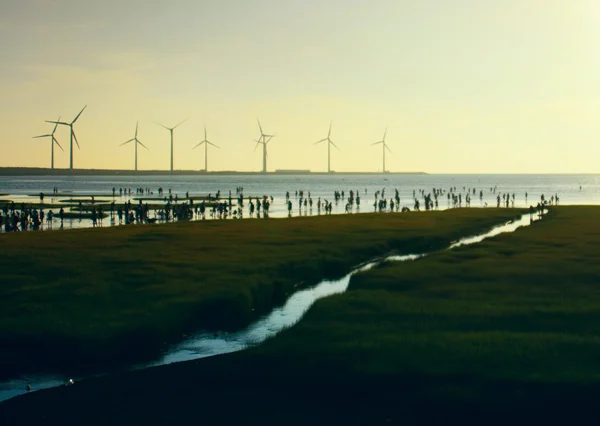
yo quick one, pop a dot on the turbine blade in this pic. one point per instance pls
(41, 136)
(384, 133)
(126, 142)
(136, 128)
(329, 134)
(331, 142)
(199, 143)
(389, 150)
(210, 143)
(73, 122)
(75, 137)
(140, 142)
(259, 126)
(180, 123)
(58, 122)
(204, 132)
(55, 126)
(256, 146)
(322, 140)
(376, 143)
(56, 142)
(161, 125)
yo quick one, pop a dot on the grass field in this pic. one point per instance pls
(502, 332)
(100, 295)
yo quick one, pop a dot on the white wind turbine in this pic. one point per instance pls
(136, 142)
(384, 147)
(329, 143)
(264, 141)
(170, 129)
(53, 141)
(206, 143)
(73, 136)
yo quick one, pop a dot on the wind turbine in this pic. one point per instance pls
(264, 141)
(384, 147)
(54, 141)
(170, 129)
(206, 143)
(329, 143)
(136, 141)
(73, 136)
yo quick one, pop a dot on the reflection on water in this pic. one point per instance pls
(209, 344)
(572, 189)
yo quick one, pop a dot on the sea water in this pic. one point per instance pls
(571, 189)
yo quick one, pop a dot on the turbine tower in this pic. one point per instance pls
(329, 143)
(54, 141)
(136, 142)
(264, 141)
(170, 129)
(384, 147)
(206, 143)
(73, 136)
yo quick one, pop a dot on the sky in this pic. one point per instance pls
(462, 86)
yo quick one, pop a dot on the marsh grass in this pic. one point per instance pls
(96, 295)
(508, 323)
(502, 332)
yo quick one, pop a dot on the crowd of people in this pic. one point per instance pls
(236, 206)
(13, 219)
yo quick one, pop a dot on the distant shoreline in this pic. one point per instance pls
(40, 171)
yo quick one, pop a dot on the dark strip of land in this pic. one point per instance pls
(41, 171)
(503, 332)
(92, 296)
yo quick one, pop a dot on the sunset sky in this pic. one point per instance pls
(463, 86)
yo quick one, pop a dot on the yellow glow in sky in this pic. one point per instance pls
(463, 86)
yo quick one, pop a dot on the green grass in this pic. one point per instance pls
(503, 332)
(519, 307)
(111, 294)
(519, 311)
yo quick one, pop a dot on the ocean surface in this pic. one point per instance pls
(571, 189)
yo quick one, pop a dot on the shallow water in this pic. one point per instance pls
(209, 344)
(572, 189)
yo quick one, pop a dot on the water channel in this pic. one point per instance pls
(204, 345)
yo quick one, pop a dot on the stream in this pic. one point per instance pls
(209, 344)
